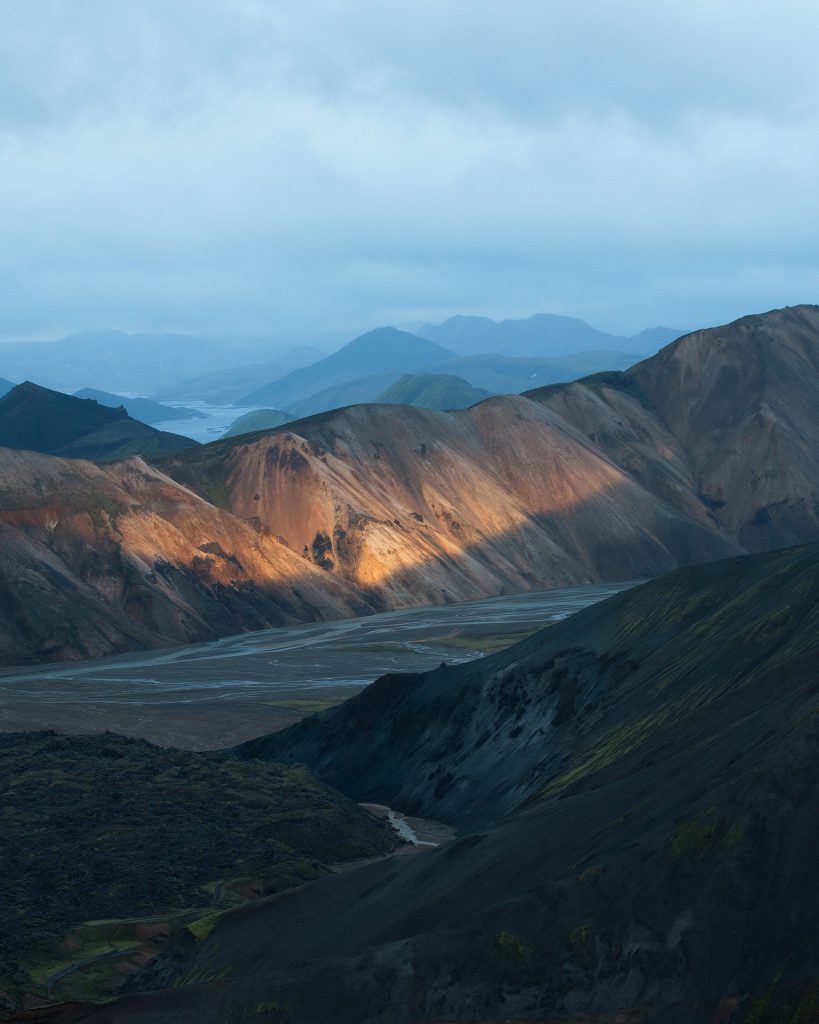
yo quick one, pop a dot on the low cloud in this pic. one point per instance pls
(293, 167)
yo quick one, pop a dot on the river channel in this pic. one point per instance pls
(215, 694)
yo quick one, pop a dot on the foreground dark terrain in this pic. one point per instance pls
(111, 846)
(703, 451)
(637, 794)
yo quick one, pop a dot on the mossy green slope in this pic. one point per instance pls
(105, 827)
(616, 682)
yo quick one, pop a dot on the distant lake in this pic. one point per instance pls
(218, 419)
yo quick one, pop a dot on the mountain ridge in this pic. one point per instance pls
(604, 479)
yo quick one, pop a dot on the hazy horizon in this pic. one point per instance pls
(283, 169)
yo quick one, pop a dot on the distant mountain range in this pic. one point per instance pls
(367, 367)
(227, 386)
(501, 357)
(181, 368)
(374, 352)
(37, 419)
(543, 335)
(148, 363)
(703, 451)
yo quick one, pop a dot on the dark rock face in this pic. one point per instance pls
(653, 864)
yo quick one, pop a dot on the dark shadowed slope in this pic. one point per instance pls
(469, 743)
(143, 409)
(37, 419)
(664, 750)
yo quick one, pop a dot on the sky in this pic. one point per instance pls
(274, 167)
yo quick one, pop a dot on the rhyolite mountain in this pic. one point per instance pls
(637, 788)
(37, 419)
(100, 559)
(544, 334)
(259, 419)
(703, 451)
(143, 409)
(383, 349)
(433, 391)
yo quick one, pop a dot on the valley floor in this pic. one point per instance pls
(206, 696)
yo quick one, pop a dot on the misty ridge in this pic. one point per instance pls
(494, 357)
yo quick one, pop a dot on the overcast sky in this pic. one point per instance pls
(276, 166)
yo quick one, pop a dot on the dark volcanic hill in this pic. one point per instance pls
(37, 419)
(703, 451)
(143, 409)
(638, 787)
(383, 349)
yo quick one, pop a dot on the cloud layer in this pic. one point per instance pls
(261, 166)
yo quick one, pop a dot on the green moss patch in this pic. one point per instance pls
(131, 836)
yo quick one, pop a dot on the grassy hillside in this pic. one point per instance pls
(433, 391)
(259, 419)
